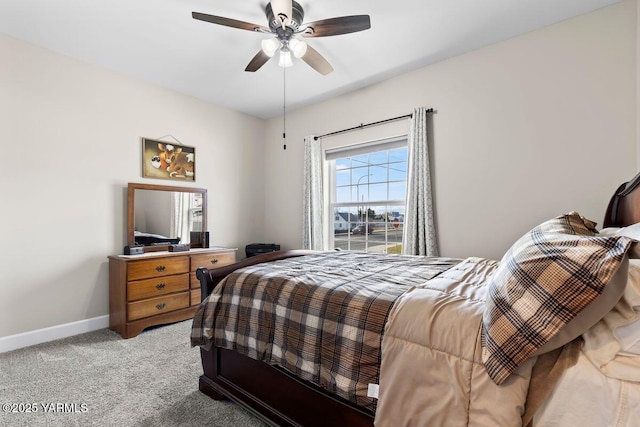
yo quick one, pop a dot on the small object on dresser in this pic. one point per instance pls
(200, 239)
(133, 250)
(180, 247)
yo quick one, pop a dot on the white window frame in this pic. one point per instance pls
(330, 196)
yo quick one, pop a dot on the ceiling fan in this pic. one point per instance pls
(285, 22)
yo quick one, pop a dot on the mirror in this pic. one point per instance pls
(160, 215)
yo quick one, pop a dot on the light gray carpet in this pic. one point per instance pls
(149, 380)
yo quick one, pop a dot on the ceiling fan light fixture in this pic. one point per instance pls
(298, 47)
(270, 46)
(286, 26)
(285, 60)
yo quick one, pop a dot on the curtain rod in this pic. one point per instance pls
(362, 126)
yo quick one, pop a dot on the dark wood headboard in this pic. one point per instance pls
(624, 206)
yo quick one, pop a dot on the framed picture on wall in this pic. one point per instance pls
(166, 160)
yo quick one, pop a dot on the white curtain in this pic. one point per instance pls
(312, 233)
(181, 220)
(419, 230)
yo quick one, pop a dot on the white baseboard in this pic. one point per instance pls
(26, 339)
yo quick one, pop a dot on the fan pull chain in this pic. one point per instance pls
(284, 107)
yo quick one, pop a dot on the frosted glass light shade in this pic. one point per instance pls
(285, 59)
(298, 47)
(270, 46)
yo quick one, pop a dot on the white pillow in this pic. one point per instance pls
(632, 232)
(609, 231)
(628, 333)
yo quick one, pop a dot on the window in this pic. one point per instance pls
(368, 184)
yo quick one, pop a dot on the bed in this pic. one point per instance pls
(441, 340)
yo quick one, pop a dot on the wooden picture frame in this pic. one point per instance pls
(167, 160)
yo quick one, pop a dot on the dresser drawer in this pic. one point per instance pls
(195, 297)
(153, 306)
(157, 267)
(195, 283)
(212, 260)
(157, 286)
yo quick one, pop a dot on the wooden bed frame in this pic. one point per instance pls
(279, 398)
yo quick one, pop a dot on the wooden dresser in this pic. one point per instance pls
(158, 287)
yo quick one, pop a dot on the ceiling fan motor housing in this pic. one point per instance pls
(294, 22)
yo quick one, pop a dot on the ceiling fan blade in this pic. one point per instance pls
(317, 61)
(228, 22)
(337, 26)
(258, 61)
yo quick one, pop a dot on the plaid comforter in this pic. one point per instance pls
(321, 316)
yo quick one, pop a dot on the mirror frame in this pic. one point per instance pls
(131, 209)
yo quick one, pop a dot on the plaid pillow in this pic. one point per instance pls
(544, 280)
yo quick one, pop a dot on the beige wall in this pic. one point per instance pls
(70, 143)
(525, 130)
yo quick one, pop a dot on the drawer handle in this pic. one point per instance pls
(161, 306)
(160, 268)
(214, 261)
(160, 286)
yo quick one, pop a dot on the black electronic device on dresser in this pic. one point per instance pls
(254, 249)
(133, 250)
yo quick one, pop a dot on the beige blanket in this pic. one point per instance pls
(432, 372)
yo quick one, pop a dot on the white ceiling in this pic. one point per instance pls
(158, 41)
